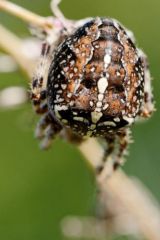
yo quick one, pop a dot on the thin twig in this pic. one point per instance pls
(145, 212)
(25, 15)
(12, 45)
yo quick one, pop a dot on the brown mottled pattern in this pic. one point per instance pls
(81, 72)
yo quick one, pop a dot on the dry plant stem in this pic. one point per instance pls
(25, 15)
(11, 44)
(122, 188)
(119, 185)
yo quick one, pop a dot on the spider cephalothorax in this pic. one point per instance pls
(95, 83)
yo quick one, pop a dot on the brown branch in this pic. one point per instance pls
(25, 15)
(126, 193)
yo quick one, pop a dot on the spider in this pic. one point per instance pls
(91, 81)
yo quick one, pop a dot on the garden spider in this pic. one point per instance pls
(91, 81)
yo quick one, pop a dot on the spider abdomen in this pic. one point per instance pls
(96, 79)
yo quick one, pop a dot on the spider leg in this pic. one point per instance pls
(40, 105)
(39, 82)
(123, 140)
(48, 127)
(148, 104)
(110, 140)
(116, 149)
(46, 130)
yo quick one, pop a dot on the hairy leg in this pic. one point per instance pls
(116, 149)
(124, 138)
(109, 150)
(39, 82)
(148, 103)
(46, 130)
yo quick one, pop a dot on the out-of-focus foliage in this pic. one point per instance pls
(38, 188)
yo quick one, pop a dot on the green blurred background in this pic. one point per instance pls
(37, 189)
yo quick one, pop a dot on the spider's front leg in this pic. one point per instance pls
(148, 103)
(124, 138)
(109, 150)
(117, 144)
